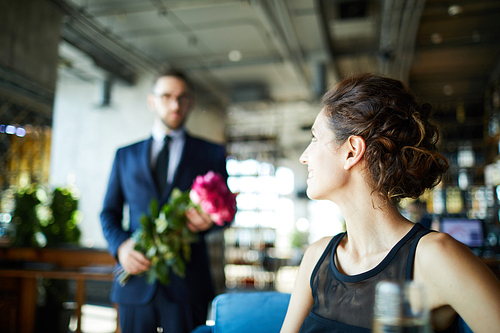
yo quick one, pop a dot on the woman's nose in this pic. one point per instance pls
(303, 158)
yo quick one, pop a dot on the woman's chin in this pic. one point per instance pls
(310, 194)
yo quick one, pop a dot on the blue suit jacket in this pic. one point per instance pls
(131, 183)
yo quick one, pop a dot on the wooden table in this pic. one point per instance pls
(68, 264)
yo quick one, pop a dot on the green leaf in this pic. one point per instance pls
(165, 238)
(161, 224)
(176, 193)
(162, 272)
(162, 248)
(169, 256)
(164, 279)
(186, 251)
(146, 223)
(150, 276)
(179, 267)
(179, 199)
(153, 207)
(151, 252)
(136, 236)
(176, 244)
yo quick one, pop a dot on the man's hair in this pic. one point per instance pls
(177, 74)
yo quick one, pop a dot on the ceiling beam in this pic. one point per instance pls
(398, 33)
(108, 51)
(492, 42)
(324, 29)
(100, 56)
(223, 62)
(111, 8)
(276, 18)
(117, 58)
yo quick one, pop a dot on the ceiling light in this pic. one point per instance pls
(234, 55)
(460, 113)
(448, 90)
(455, 10)
(436, 38)
(20, 132)
(10, 129)
(476, 36)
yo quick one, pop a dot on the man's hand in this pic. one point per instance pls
(198, 222)
(131, 260)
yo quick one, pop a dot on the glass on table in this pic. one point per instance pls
(401, 308)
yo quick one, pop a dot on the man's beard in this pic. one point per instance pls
(170, 127)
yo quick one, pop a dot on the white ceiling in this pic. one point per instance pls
(278, 42)
(284, 51)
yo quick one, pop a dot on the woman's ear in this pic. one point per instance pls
(355, 151)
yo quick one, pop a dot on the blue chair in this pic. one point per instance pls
(463, 327)
(247, 312)
(250, 312)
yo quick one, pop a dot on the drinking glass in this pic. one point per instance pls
(401, 308)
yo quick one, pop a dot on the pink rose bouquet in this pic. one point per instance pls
(212, 195)
(164, 237)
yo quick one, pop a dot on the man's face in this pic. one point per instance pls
(171, 100)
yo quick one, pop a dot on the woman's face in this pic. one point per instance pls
(324, 161)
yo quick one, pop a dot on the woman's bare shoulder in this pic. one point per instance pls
(441, 246)
(316, 249)
(444, 262)
(456, 277)
(438, 251)
(302, 300)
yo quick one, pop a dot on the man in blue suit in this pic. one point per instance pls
(148, 170)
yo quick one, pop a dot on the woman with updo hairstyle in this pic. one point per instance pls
(373, 145)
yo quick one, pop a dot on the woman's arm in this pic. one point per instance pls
(454, 276)
(301, 300)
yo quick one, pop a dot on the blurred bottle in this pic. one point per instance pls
(401, 308)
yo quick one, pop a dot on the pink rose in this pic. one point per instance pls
(211, 193)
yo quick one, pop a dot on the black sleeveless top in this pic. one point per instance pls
(344, 303)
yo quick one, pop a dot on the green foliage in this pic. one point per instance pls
(45, 220)
(62, 227)
(299, 239)
(25, 218)
(165, 239)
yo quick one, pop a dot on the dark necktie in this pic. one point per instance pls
(161, 168)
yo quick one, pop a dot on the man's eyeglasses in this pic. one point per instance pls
(167, 98)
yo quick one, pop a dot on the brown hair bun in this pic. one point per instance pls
(401, 153)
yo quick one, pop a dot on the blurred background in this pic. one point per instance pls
(74, 76)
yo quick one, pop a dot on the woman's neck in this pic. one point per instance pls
(373, 227)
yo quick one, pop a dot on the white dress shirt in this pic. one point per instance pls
(177, 141)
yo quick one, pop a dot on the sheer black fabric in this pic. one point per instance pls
(344, 303)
